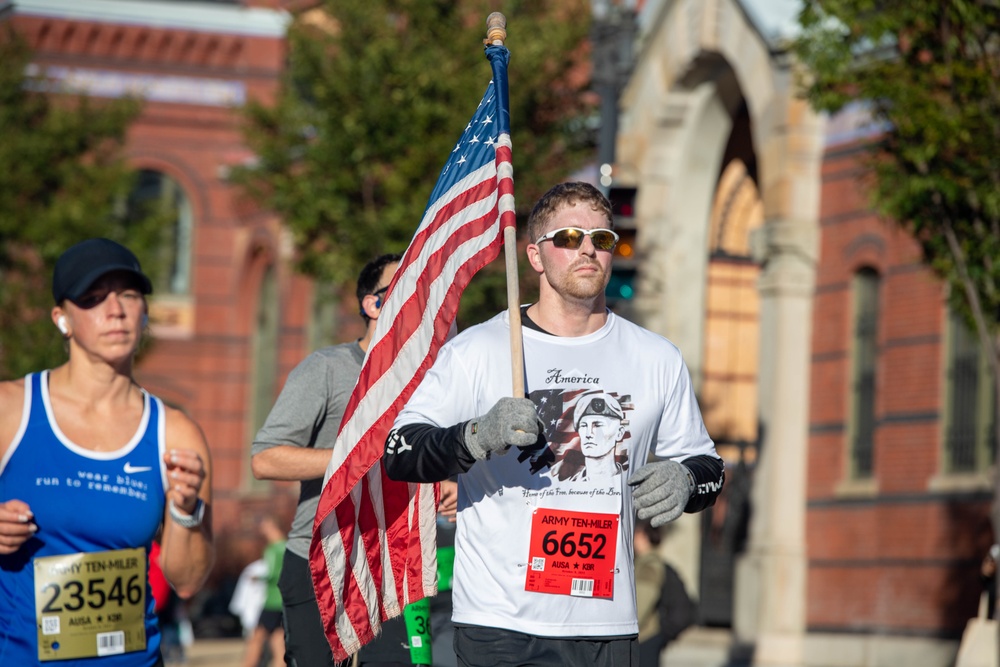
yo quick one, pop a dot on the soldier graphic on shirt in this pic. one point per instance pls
(586, 433)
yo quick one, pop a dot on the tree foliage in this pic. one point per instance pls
(60, 175)
(377, 92)
(929, 71)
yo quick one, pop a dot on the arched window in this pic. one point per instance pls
(865, 292)
(732, 318)
(160, 199)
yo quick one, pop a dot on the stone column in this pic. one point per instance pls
(770, 609)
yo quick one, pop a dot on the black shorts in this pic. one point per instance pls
(270, 620)
(492, 647)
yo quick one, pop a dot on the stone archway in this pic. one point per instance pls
(700, 66)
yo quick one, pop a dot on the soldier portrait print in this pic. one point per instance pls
(586, 432)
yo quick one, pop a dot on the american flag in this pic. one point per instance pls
(373, 549)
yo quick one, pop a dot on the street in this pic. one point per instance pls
(215, 653)
(698, 647)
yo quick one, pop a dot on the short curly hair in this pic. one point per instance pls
(566, 194)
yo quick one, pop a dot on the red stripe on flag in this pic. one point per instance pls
(478, 192)
(353, 602)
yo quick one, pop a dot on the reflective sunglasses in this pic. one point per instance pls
(572, 237)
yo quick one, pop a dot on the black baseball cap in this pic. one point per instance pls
(81, 265)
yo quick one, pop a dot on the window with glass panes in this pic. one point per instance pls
(970, 417)
(160, 197)
(865, 293)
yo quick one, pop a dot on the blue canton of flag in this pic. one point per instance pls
(475, 148)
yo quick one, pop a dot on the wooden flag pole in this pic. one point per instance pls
(496, 33)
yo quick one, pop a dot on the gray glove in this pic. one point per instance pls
(661, 491)
(511, 422)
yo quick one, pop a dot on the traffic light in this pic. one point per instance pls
(622, 204)
(621, 287)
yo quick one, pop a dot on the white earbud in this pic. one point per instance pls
(61, 324)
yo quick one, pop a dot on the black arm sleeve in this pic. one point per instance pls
(425, 453)
(709, 474)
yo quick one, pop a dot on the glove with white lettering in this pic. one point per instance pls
(661, 491)
(511, 422)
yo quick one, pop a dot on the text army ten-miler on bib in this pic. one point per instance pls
(572, 553)
(90, 604)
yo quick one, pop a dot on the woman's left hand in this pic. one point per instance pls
(186, 474)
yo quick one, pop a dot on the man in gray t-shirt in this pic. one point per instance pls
(295, 444)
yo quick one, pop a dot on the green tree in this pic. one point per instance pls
(929, 71)
(377, 92)
(60, 176)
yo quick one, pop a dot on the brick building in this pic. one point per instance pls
(901, 419)
(233, 317)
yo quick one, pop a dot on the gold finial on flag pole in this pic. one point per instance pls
(496, 29)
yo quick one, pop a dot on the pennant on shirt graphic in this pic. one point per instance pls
(373, 549)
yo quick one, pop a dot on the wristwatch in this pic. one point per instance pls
(192, 520)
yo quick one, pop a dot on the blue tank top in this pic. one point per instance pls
(83, 502)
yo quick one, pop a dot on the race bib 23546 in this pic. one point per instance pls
(90, 605)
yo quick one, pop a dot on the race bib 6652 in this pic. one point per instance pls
(572, 553)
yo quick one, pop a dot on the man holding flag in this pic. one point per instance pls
(539, 560)
(543, 567)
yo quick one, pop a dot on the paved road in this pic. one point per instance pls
(698, 647)
(215, 653)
